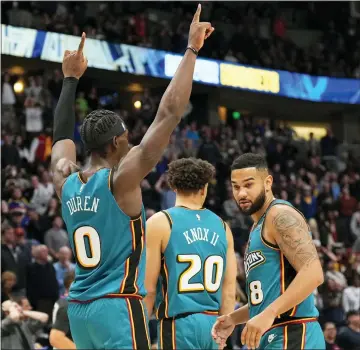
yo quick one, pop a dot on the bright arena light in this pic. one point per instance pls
(19, 87)
(137, 104)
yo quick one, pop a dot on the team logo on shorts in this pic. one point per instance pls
(252, 260)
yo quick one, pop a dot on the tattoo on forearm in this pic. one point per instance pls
(295, 239)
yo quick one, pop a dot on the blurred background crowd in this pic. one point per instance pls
(255, 33)
(313, 173)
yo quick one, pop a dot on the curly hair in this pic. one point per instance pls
(95, 124)
(189, 175)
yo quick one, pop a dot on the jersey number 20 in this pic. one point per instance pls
(211, 284)
(84, 260)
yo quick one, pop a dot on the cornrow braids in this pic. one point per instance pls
(96, 124)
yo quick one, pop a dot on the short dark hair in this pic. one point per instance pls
(68, 279)
(249, 160)
(189, 175)
(95, 124)
(352, 313)
(18, 299)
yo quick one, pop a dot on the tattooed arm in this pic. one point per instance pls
(290, 231)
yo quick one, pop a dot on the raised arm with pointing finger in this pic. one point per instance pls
(142, 158)
(63, 154)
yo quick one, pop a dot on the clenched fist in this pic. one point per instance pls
(74, 62)
(199, 31)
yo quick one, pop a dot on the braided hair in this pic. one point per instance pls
(95, 124)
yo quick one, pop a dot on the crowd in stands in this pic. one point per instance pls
(246, 32)
(35, 254)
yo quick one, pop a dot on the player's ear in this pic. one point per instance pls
(115, 142)
(203, 191)
(268, 183)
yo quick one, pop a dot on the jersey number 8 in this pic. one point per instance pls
(256, 293)
(210, 284)
(84, 260)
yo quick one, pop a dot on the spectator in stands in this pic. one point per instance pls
(24, 244)
(336, 276)
(332, 311)
(313, 145)
(349, 336)
(60, 335)
(42, 286)
(209, 150)
(17, 196)
(8, 96)
(19, 326)
(328, 144)
(8, 282)
(167, 195)
(351, 295)
(9, 153)
(17, 212)
(308, 203)
(43, 191)
(56, 237)
(330, 336)
(13, 258)
(35, 226)
(63, 267)
(347, 203)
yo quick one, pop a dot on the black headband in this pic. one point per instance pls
(117, 130)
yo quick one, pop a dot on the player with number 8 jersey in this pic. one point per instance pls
(282, 267)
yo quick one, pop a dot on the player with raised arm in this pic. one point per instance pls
(191, 262)
(281, 264)
(102, 204)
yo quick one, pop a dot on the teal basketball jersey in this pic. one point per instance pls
(107, 244)
(193, 264)
(268, 274)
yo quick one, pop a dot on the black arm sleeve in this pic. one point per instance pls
(62, 321)
(64, 118)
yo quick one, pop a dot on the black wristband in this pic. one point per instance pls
(193, 50)
(64, 117)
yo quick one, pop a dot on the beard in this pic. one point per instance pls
(255, 206)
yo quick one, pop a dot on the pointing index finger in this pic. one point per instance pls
(196, 18)
(82, 44)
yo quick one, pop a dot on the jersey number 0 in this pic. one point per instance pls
(210, 283)
(84, 259)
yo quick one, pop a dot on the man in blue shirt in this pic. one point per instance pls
(63, 266)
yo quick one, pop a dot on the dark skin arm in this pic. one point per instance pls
(141, 159)
(63, 153)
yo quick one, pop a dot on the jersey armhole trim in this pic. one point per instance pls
(267, 243)
(110, 180)
(168, 218)
(111, 189)
(223, 223)
(61, 189)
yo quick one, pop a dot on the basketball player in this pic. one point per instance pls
(102, 204)
(190, 255)
(281, 264)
